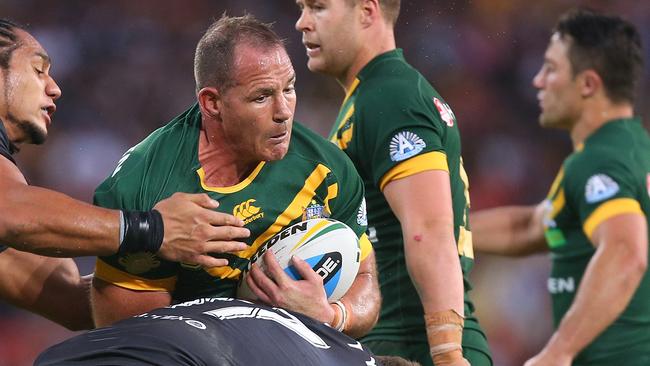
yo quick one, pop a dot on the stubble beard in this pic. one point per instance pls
(31, 132)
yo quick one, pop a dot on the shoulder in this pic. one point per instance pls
(310, 145)
(162, 144)
(394, 92)
(307, 145)
(391, 78)
(598, 156)
(152, 158)
(599, 171)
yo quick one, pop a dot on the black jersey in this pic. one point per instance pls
(212, 331)
(6, 149)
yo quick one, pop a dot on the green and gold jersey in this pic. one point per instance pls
(608, 176)
(393, 124)
(314, 179)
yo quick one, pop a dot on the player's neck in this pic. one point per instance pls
(377, 43)
(595, 116)
(222, 166)
(15, 134)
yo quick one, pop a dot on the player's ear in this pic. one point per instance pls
(590, 83)
(209, 101)
(370, 12)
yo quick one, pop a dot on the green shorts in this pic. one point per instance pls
(475, 349)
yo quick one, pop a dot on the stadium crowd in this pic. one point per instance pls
(125, 67)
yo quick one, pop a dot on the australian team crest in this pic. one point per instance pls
(404, 145)
(315, 211)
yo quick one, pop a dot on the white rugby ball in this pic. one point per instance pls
(330, 247)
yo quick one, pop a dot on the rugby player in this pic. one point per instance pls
(403, 139)
(594, 220)
(41, 221)
(239, 145)
(215, 332)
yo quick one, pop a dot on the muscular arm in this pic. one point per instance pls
(512, 231)
(422, 203)
(50, 287)
(111, 303)
(50, 223)
(611, 278)
(363, 299)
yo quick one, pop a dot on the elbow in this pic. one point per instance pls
(640, 264)
(633, 267)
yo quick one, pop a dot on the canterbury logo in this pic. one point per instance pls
(247, 212)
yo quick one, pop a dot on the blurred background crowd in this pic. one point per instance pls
(125, 68)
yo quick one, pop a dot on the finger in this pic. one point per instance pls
(218, 246)
(225, 233)
(305, 270)
(256, 275)
(221, 219)
(274, 270)
(200, 199)
(207, 261)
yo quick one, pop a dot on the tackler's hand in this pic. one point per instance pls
(193, 229)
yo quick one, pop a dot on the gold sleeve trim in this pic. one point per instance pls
(119, 278)
(435, 160)
(366, 247)
(608, 210)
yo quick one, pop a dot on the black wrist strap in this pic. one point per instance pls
(142, 231)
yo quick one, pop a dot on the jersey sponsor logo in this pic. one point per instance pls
(446, 114)
(600, 187)
(362, 215)
(137, 263)
(247, 212)
(561, 285)
(404, 145)
(297, 228)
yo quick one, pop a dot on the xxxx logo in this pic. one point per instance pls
(247, 211)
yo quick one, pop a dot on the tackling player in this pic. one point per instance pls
(215, 332)
(45, 222)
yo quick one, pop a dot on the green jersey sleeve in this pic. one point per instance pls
(124, 189)
(600, 187)
(402, 127)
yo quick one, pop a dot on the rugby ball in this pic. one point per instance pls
(330, 247)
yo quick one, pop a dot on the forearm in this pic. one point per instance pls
(50, 223)
(511, 230)
(609, 283)
(50, 287)
(434, 267)
(111, 303)
(363, 300)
